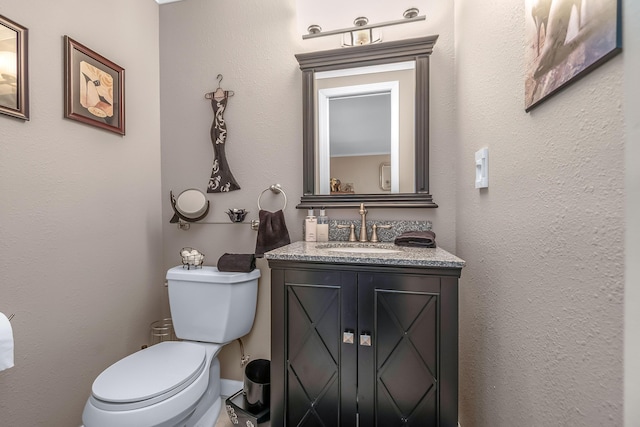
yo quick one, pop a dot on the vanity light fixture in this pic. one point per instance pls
(363, 32)
(360, 37)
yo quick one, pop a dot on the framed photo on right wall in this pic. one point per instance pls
(565, 40)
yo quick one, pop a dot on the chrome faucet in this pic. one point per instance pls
(363, 225)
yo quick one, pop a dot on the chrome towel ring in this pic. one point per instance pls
(275, 188)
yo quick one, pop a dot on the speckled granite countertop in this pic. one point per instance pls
(405, 256)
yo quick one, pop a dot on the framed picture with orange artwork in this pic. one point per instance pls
(94, 88)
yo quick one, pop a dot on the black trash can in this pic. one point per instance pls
(257, 384)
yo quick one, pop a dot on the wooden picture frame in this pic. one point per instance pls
(94, 88)
(565, 40)
(14, 76)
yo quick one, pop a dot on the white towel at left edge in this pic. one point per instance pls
(6, 343)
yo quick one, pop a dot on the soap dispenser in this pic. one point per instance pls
(310, 227)
(322, 228)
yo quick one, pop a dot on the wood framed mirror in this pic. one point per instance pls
(14, 76)
(378, 59)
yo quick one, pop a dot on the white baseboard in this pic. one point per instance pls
(230, 387)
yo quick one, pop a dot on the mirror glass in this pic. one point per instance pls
(191, 205)
(366, 125)
(366, 120)
(8, 67)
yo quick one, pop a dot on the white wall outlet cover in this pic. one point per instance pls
(482, 168)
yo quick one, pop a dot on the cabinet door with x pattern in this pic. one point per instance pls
(319, 357)
(399, 358)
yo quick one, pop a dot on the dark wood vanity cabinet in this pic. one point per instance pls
(362, 345)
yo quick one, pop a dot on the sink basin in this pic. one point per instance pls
(357, 248)
(365, 250)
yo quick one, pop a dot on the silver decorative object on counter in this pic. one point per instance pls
(237, 215)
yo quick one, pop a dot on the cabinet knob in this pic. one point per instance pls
(348, 337)
(365, 339)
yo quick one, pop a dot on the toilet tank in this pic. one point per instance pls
(210, 305)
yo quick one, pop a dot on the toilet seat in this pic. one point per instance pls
(149, 376)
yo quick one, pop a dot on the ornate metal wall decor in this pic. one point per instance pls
(222, 179)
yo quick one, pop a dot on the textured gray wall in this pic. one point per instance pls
(541, 327)
(80, 217)
(631, 44)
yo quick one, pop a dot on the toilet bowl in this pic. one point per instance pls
(178, 383)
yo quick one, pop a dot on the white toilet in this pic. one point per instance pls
(177, 383)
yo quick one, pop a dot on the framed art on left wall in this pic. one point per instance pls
(14, 78)
(94, 88)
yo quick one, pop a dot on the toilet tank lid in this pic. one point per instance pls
(210, 274)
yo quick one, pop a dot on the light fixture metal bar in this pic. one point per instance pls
(365, 27)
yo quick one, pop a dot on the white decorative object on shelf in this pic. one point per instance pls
(191, 257)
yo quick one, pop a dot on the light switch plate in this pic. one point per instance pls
(482, 168)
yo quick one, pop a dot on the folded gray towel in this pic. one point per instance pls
(422, 239)
(272, 232)
(243, 263)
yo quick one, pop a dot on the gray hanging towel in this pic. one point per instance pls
(272, 232)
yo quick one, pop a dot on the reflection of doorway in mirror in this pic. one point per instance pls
(8, 68)
(360, 107)
(356, 123)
